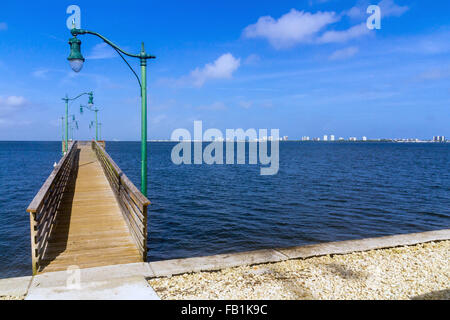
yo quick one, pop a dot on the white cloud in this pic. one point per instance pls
(158, 119)
(102, 51)
(297, 27)
(389, 8)
(345, 35)
(356, 12)
(100, 80)
(344, 53)
(11, 103)
(290, 29)
(427, 44)
(216, 106)
(40, 73)
(6, 122)
(314, 2)
(246, 104)
(3, 26)
(434, 74)
(222, 68)
(252, 59)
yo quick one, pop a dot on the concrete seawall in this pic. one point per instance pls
(221, 261)
(129, 281)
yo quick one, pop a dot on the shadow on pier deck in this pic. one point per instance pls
(87, 214)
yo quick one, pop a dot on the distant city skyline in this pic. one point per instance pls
(308, 138)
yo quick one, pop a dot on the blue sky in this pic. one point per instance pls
(306, 67)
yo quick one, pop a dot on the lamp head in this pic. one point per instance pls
(75, 58)
(91, 98)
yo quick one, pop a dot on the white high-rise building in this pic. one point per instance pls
(325, 137)
(364, 138)
(332, 137)
(439, 138)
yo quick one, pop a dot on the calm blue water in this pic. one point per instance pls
(323, 192)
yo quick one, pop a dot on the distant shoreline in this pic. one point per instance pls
(305, 141)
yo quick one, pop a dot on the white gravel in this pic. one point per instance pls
(11, 298)
(415, 272)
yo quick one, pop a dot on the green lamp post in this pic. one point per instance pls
(62, 136)
(93, 124)
(76, 61)
(73, 125)
(100, 130)
(94, 109)
(66, 100)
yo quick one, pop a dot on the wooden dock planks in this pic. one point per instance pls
(90, 230)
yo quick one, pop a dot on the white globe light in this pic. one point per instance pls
(76, 64)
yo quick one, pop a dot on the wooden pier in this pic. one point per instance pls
(87, 214)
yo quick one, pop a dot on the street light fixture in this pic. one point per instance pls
(73, 124)
(76, 63)
(91, 107)
(75, 58)
(97, 127)
(66, 100)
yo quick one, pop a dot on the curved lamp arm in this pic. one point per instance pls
(90, 108)
(142, 55)
(132, 70)
(71, 99)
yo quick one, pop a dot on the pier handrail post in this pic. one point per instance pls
(76, 59)
(34, 257)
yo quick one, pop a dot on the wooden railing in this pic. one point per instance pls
(45, 205)
(132, 202)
